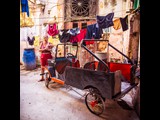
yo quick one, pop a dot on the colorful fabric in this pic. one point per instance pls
(45, 55)
(36, 41)
(74, 31)
(117, 24)
(64, 36)
(52, 29)
(136, 4)
(93, 32)
(50, 39)
(31, 40)
(124, 23)
(105, 21)
(78, 37)
(81, 35)
(24, 6)
(73, 39)
(44, 58)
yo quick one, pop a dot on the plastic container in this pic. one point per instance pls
(29, 58)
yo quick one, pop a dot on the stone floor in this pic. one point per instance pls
(59, 103)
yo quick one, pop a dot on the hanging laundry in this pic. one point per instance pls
(74, 31)
(52, 29)
(93, 32)
(73, 39)
(50, 39)
(64, 36)
(82, 34)
(30, 35)
(78, 37)
(105, 21)
(117, 24)
(24, 6)
(36, 41)
(31, 40)
(134, 24)
(124, 23)
(136, 4)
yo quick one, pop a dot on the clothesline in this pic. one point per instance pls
(61, 17)
(85, 20)
(134, 11)
(91, 18)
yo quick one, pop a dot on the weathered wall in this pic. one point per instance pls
(134, 46)
(60, 14)
(118, 38)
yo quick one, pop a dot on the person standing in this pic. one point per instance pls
(45, 50)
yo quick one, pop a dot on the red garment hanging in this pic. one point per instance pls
(52, 29)
(79, 36)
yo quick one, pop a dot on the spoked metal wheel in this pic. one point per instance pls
(94, 102)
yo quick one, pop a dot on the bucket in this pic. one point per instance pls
(101, 55)
(29, 58)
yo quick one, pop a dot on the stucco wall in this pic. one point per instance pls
(118, 38)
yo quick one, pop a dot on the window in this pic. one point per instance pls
(83, 25)
(75, 25)
(80, 8)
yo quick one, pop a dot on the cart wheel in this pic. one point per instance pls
(47, 79)
(95, 103)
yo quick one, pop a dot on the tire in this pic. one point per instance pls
(95, 103)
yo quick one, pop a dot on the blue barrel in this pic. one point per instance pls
(29, 58)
